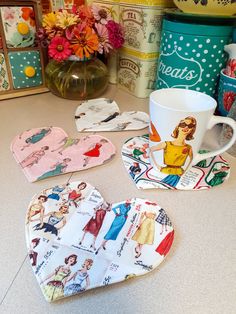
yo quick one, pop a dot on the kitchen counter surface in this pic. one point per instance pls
(197, 277)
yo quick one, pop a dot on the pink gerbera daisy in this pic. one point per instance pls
(103, 38)
(59, 49)
(116, 34)
(101, 15)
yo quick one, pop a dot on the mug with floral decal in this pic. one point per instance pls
(226, 93)
(179, 119)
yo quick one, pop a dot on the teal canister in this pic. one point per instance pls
(192, 53)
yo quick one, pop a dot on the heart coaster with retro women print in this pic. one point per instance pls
(101, 114)
(204, 175)
(78, 241)
(49, 151)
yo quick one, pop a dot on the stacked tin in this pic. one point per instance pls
(137, 65)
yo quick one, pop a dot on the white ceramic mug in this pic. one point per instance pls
(179, 119)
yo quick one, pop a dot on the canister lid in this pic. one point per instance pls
(176, 15)
(196, 26)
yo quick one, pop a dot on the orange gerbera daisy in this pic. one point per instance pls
(85, 14)
(28, 15)
(85, 42)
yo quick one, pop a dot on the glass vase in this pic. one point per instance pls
(77, 79)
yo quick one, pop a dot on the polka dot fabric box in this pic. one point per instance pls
(22, 61)
(26, 69)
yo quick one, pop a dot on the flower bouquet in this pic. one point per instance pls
(75, 38)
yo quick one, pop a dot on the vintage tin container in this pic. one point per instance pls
(192, 53)
(137, 72)
(142, 23)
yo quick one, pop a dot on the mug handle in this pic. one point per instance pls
(213, 121)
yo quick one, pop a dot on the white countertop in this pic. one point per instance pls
(199, 273)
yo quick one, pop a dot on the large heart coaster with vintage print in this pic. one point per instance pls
(78, 241)
(103, 114)
(204, 175)
(49, 151)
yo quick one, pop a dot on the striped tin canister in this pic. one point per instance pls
(192, 52)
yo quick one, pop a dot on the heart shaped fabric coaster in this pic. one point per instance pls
(204, 175)
(78, 241)
(104, 115)
(49, 151)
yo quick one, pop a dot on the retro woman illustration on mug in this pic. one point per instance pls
(177, 151)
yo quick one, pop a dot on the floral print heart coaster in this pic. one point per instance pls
(77, 241)
(104, 115)
(204, 175)
(49, 151)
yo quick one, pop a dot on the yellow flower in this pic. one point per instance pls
(49, 20)
(65, 19)
(23, 28)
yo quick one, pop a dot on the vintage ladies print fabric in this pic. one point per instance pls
(104, 115)
(77, 240)
(204, 175)
(19, 26)
(4, 80)
(49, 151)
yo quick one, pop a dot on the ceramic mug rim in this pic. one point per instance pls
(226, 76)
(209, 102)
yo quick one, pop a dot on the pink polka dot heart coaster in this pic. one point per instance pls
(205, 175)
(49, 151)
(78, 241)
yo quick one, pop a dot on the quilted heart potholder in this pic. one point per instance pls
(104, 115)
(49, 151)
(77, 241)
(204, 175)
